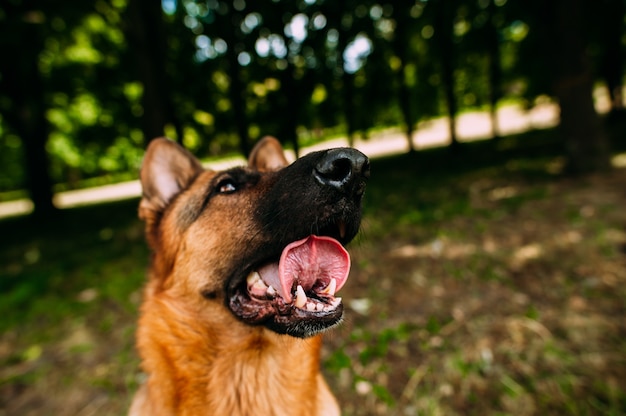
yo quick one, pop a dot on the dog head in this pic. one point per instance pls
(266, 241)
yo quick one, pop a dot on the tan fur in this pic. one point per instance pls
(199, 358)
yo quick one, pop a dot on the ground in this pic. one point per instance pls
(482, 284)
(518, 310)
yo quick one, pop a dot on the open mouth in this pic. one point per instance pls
(296, 293)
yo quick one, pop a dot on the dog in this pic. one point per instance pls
(245, 266)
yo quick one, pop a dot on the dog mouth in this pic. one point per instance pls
(295, 294)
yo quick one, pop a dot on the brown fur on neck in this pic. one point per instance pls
(223, 367)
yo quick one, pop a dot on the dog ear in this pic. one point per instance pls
(267, 155)
(167, 169)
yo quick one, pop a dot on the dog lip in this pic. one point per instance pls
(284, 318)
(316, 309)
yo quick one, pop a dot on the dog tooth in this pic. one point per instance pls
(253, 277)
(260, 285)
(310, 306)
(335, 302)
(300, 297)
(271, 291)
(331, 288)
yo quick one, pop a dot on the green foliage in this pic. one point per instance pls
(300, 69)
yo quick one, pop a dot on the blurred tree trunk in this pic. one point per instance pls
(347, 83)
(334, 12)
(21, 82)
(495, 71)
(405, 106)
(583, 132)
(288, 128)
(236, 93)
(443, 22)
(348, 104)
(236, 86)
(146, 34)
(612, 64)
(401, 46)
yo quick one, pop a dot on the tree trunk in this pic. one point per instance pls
(400, 45)
(495, 72)
(348, 103)
(236, 85)
(443, 35)
(288, 129)
(34, 132)
(583, 132)
(236, 93)
(405, 106)
(22, 83)
(145, 31)
(612, 65)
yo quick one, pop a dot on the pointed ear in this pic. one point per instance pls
(267, 155)
(167, 169)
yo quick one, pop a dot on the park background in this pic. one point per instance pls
(489, 275)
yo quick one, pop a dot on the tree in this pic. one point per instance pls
(23, 85)
(443, 24)
(401, 46)
(340, 19)
(495, 71)
(583, 133)
(611, 29)
(146, 33)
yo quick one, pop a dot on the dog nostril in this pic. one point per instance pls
(338, 170)
(340, 167)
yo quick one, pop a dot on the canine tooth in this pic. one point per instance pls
(335, 302)
(300, 297)
(271, 291)
(252, 278)
(260, 285)
(331, 288)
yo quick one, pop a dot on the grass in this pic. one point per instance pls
(508, 277)
(68, 299)
(483, 283)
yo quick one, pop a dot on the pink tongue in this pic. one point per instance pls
(312, 261)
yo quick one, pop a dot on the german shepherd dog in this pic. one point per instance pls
(245, 266)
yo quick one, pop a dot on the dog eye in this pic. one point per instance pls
(226, 186)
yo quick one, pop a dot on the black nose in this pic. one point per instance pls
(345, 169)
